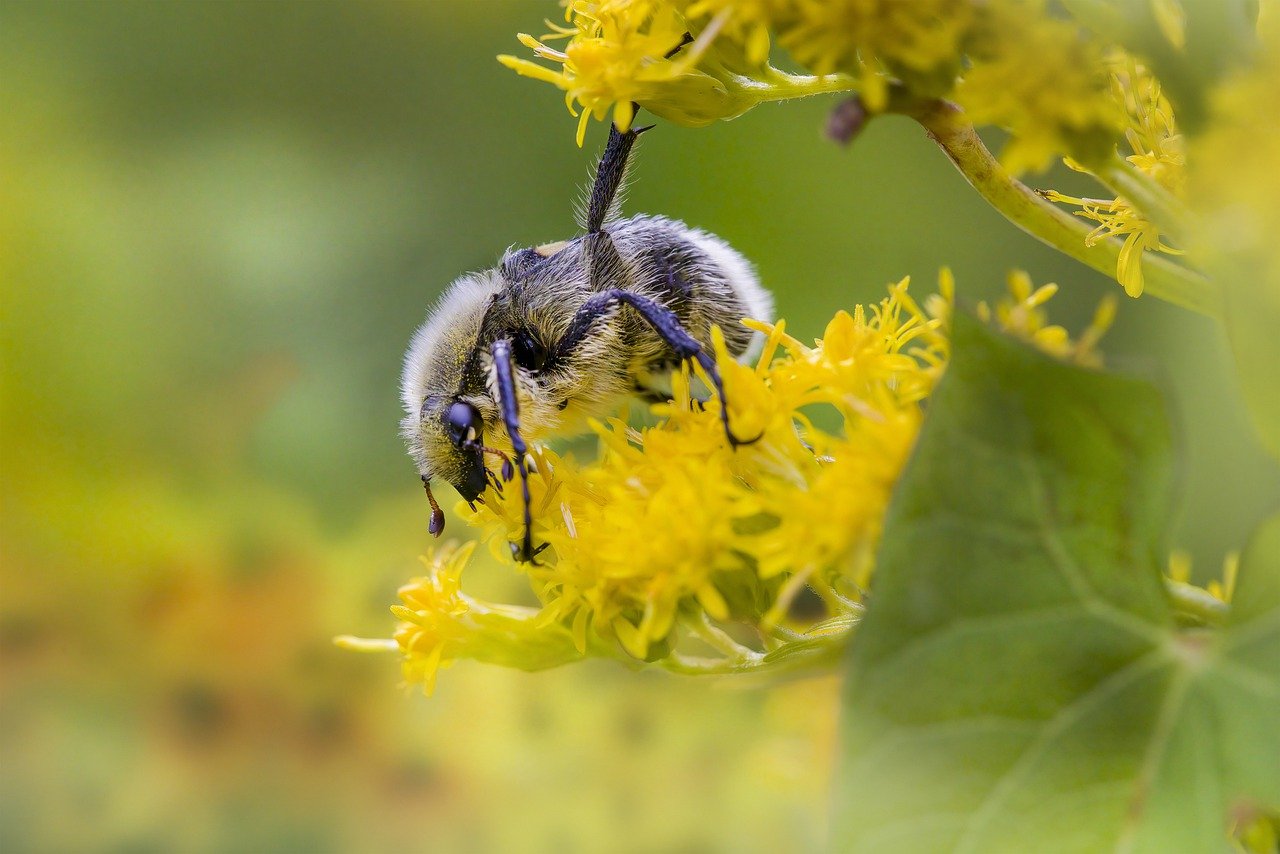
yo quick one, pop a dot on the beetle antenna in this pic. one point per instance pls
(436, 526)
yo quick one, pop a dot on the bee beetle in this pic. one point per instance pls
(560, 333)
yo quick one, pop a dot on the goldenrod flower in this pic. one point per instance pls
(1045, 81)
(1024, 317)
(440, 624)
(433, 616)
(624, 52)
(743, 22)
(1158, 153)
(670, 546)
(1007, 62)
(1012, 63)
(1200, 604)
(671, 520)
(919, 42)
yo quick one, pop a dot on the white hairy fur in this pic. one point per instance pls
(743, 278)
(455, 317)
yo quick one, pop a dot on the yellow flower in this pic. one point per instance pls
(620, 53)
(671, 546)
(1012, 63)
(1024, 316)
(440, 625)
(1042, 79)
(671, 521)
(744, 22)
(1158, 153)
(919, 42)
(1197, 604)
(432, 617)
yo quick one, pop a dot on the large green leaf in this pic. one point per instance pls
(1019, 683)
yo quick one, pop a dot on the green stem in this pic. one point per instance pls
(1195, 603)
(947, 125)
(782, 86)
(694, 666)
(719, 640)
(783, 634)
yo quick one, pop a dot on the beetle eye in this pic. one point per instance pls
(528, 351)
(463, 424)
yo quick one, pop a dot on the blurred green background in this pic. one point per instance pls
(219, 224)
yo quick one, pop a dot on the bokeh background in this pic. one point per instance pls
(219, 224)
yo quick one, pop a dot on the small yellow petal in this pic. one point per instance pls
(710, 599)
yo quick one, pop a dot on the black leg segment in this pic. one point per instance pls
(669, 329)
(509, 407)
(609, 175)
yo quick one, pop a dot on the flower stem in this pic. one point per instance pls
(366, 644)
(694, 666)
(947, 125)
(782, 86)
(720, 641)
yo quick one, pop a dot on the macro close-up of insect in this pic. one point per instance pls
(560, 333)
(855, 423)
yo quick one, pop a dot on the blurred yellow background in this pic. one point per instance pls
(219, 224)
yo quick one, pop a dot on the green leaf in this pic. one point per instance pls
(1018, 683)
(1238, 250)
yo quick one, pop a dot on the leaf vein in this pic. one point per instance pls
(1060, 558)
(1064, 720)
(968, 625)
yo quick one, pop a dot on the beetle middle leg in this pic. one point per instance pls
(668, 327)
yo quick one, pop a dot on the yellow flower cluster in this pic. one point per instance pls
(1043, 79)
(674, 548)
(1023, 316)
(1158, 153)
(1009, 62)
(671, 521)
(433, 616)
(745, 22)
(619, 53)
(440, 624)
(920, 43)
(1222, 590)
(1197, 605)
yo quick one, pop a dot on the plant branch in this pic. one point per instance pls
(781, 86)
(719, 640)
(1021, 205)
